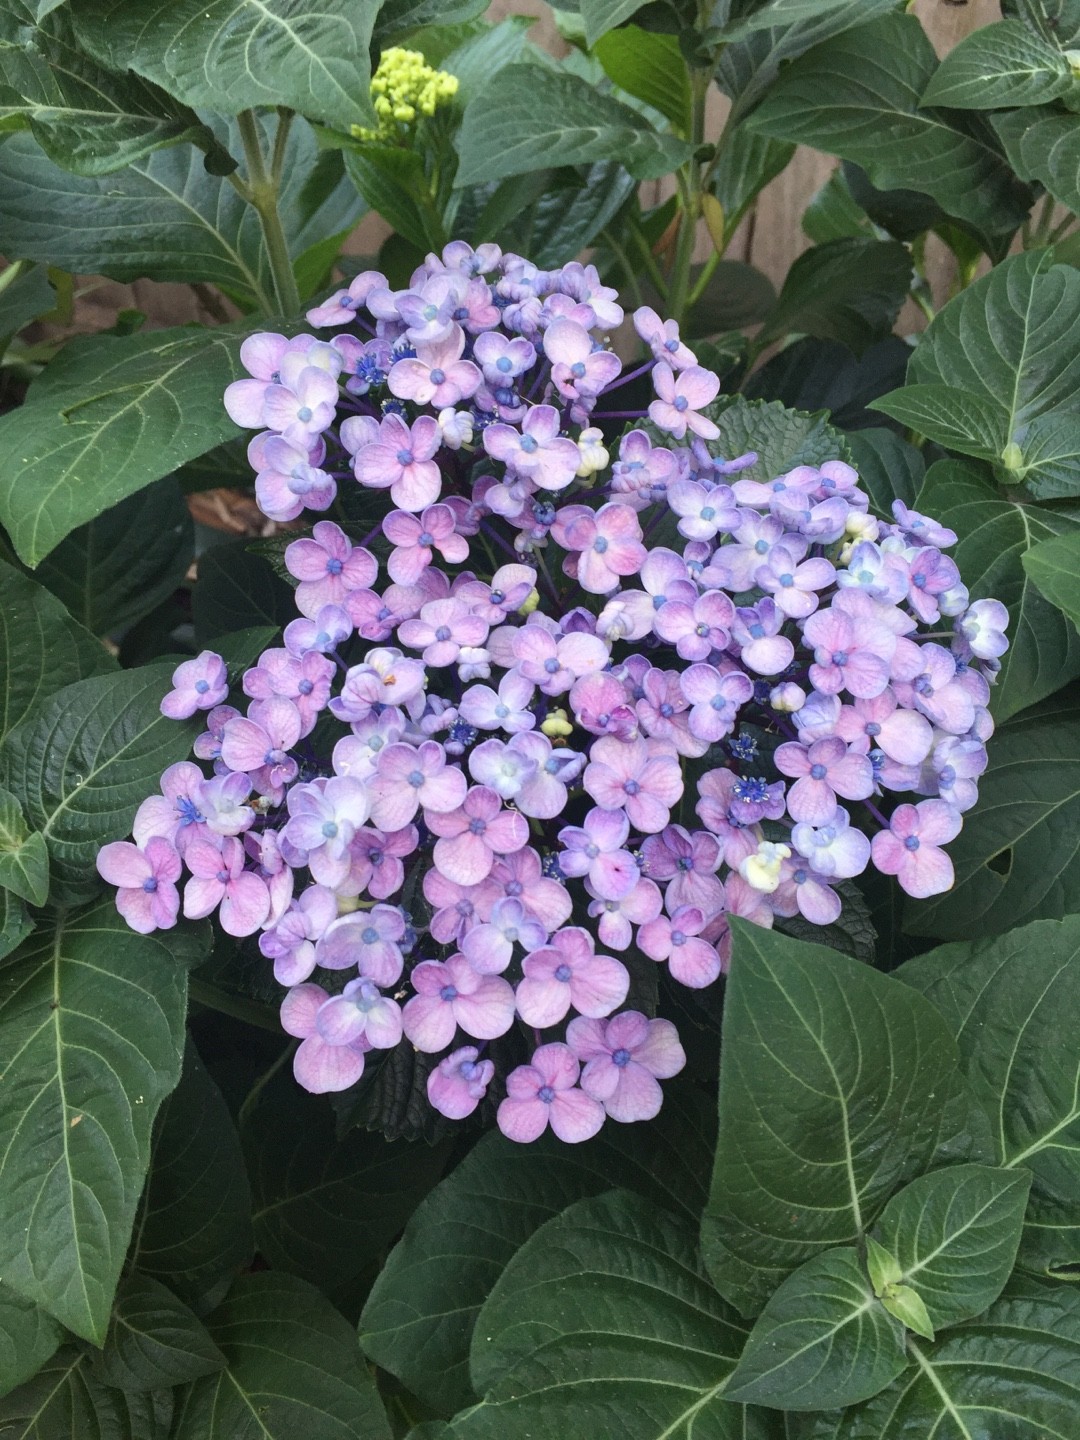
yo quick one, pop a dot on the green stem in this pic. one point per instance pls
(624, 260)
(700, 285)
(656, 275)
(250, 1011)
(262, 194)
(281, 140)
(688, 179)
(251, 1098)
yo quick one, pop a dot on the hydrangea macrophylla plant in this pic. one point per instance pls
(466, 778)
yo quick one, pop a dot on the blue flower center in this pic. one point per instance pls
(873, 728)
(404, 457)
(333, 567)
(818, 772)
(305, 687)
(150, 884)
(681, 403)
(425, 538)
(529, 445)
(443, 633)
(546, 1094)
(911, 843)
(631, 787)
(621, 1057)
(577, 369)
(505, 364)
(369, 935)
(477, 827)
(438, 377)
(563, 973)
(304, 413)
(840, 657)
(761, 547)
(600, 545)
(448, 993)
(329, 829)
(188, 811)
(678, 938)
(415, 778)
(202, 686)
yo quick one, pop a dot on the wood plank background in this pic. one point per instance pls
(771, 243)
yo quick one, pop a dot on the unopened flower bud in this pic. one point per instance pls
(556, 725)
(787, 698)
(593, 455)
(762, 869)
(531, 601)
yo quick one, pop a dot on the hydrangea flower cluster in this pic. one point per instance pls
(510, 737)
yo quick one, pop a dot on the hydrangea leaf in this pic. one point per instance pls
(42, 648)
(998, 368)
(1053, 565)
(238, 589)
(325, 1208)
(82, 764)
(1057, 20)
(649, 66)
(120, 565)
(858, 96)
(134, 408)
(781, 438)
(24, 856)
(998, 535)
(233, 55)
(193, 1228)
(566, 218)
(165, 218)
(1014, 1004)
(748, 68)
(25, 294)
(65, 1398)
(1000, 65)
(750, 16)
(604, 1323)
(529, 115)
(91, 1028)
(834, 1090)
(1016, 858)
(292, 1364)
(28, 1337)
(849, 290)
(889, 468)
(398, 18)
(823, 1339)
(813, 375)
(154, 1340)
(86, 118)
(15, 924)
(955, 1234)
(600, 16)
(1012, 1372)
(465, 1232)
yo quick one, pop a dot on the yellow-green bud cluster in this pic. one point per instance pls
(404, 88)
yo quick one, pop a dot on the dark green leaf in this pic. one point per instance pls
(749, 16)
(999, 65)
(121, 565)
(905, 214)
(86, 118)
(1042, 145)
(748, 68)
(564, 221)
(1016, 858)
(237, 589)
(91, 1026)
(834, 213)
(968, 423)
(15, 924)
(83, 763)
(603, 1323)
(603, 15)
(1053, 565)
(650, 67)
(781, 438)
(1014, 1374)
(996, 538)
(25, 293)
(194, 1223)
(24, 857)
(823, 375)
(325, 1209)
(857, 96)
(293, 1370)
(65, 1399)
(396, 18)
(849, 290)
(1057, 20)
(154, 1340)
(233, 55)
(41, 648)
(482, 55)
(28, 1337)
(420, 1318)
(822, 1340)
(393, 182)
(736, 294)
(746, 164)
(834, 1089)
(529, 116)
(999, 367)
(166, 218)
(955, 1235)
(131, 410)
(889, 468)
(1014, 1004)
